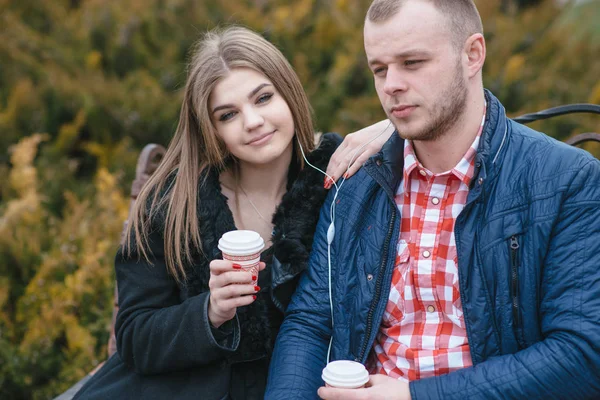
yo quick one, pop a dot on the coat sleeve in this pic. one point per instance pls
(566, 364)
(156, 332)
(301, 346)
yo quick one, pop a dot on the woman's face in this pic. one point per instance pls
(251, 117)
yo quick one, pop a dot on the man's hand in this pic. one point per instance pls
(355, 151)
(379, 387)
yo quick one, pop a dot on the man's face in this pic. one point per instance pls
(418, 72)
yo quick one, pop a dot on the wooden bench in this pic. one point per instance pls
(152, 154)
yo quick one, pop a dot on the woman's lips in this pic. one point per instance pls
(402, 111)
(262, 139)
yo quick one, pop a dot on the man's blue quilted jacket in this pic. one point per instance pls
(528, 243)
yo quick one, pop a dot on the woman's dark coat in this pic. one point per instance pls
(166, 346)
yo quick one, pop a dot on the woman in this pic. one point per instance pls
(190, 325)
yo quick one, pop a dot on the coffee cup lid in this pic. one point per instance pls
(240, 243)
(345, 374)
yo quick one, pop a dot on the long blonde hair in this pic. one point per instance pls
(196, 147)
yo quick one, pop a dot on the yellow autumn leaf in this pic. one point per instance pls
(514, 68)
(93, 60)
(595, 95)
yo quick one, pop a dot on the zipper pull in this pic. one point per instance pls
(514, 243)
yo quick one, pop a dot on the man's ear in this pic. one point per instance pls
(474, 52)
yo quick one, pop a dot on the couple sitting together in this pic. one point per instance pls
(450, 250)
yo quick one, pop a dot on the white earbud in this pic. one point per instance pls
(330, 233)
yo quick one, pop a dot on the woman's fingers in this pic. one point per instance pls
(230, 278)
(357, 147)
(223, 273)
(335, 168)
(355, 166)
(236, 302)
(232, 291)
(230, 288)
(227, 282)
(354, 159)
(218, 267)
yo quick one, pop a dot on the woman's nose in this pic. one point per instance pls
(252, 118)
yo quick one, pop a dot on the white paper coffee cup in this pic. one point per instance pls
(345, 374)
(242, 248)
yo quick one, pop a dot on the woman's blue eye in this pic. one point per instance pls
(264, 97)
(226, 116)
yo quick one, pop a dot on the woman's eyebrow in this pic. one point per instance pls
(258, 88)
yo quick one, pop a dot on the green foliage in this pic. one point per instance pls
(549, 57)
(84, 84)
(56, 279)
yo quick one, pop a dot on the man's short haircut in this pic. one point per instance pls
(462, 14)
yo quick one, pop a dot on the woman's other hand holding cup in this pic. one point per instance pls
(230, 287)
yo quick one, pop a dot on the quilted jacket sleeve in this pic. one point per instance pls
(155, 331)
(566, 364)
(301, 347)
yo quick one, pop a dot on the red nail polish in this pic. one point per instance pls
(253, 277)
(256, 288)
(346, 175)
(254, 297)
(325, 180)
(237, 266)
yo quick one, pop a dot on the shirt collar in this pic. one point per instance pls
(464, 170)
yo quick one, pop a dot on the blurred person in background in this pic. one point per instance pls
(189, 325)
(465, 262)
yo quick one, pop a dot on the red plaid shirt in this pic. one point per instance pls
(422, 332)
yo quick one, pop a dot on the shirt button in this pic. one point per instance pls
(422, 172)
(430, 309)
(480, 181)
(369, 277)
(435, 201)
(426, 254)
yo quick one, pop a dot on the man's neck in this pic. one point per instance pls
(444, 153)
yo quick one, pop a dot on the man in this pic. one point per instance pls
(465, 262)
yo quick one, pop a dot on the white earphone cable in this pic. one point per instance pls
(331, 229)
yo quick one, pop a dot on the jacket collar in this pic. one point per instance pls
(494, 140)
